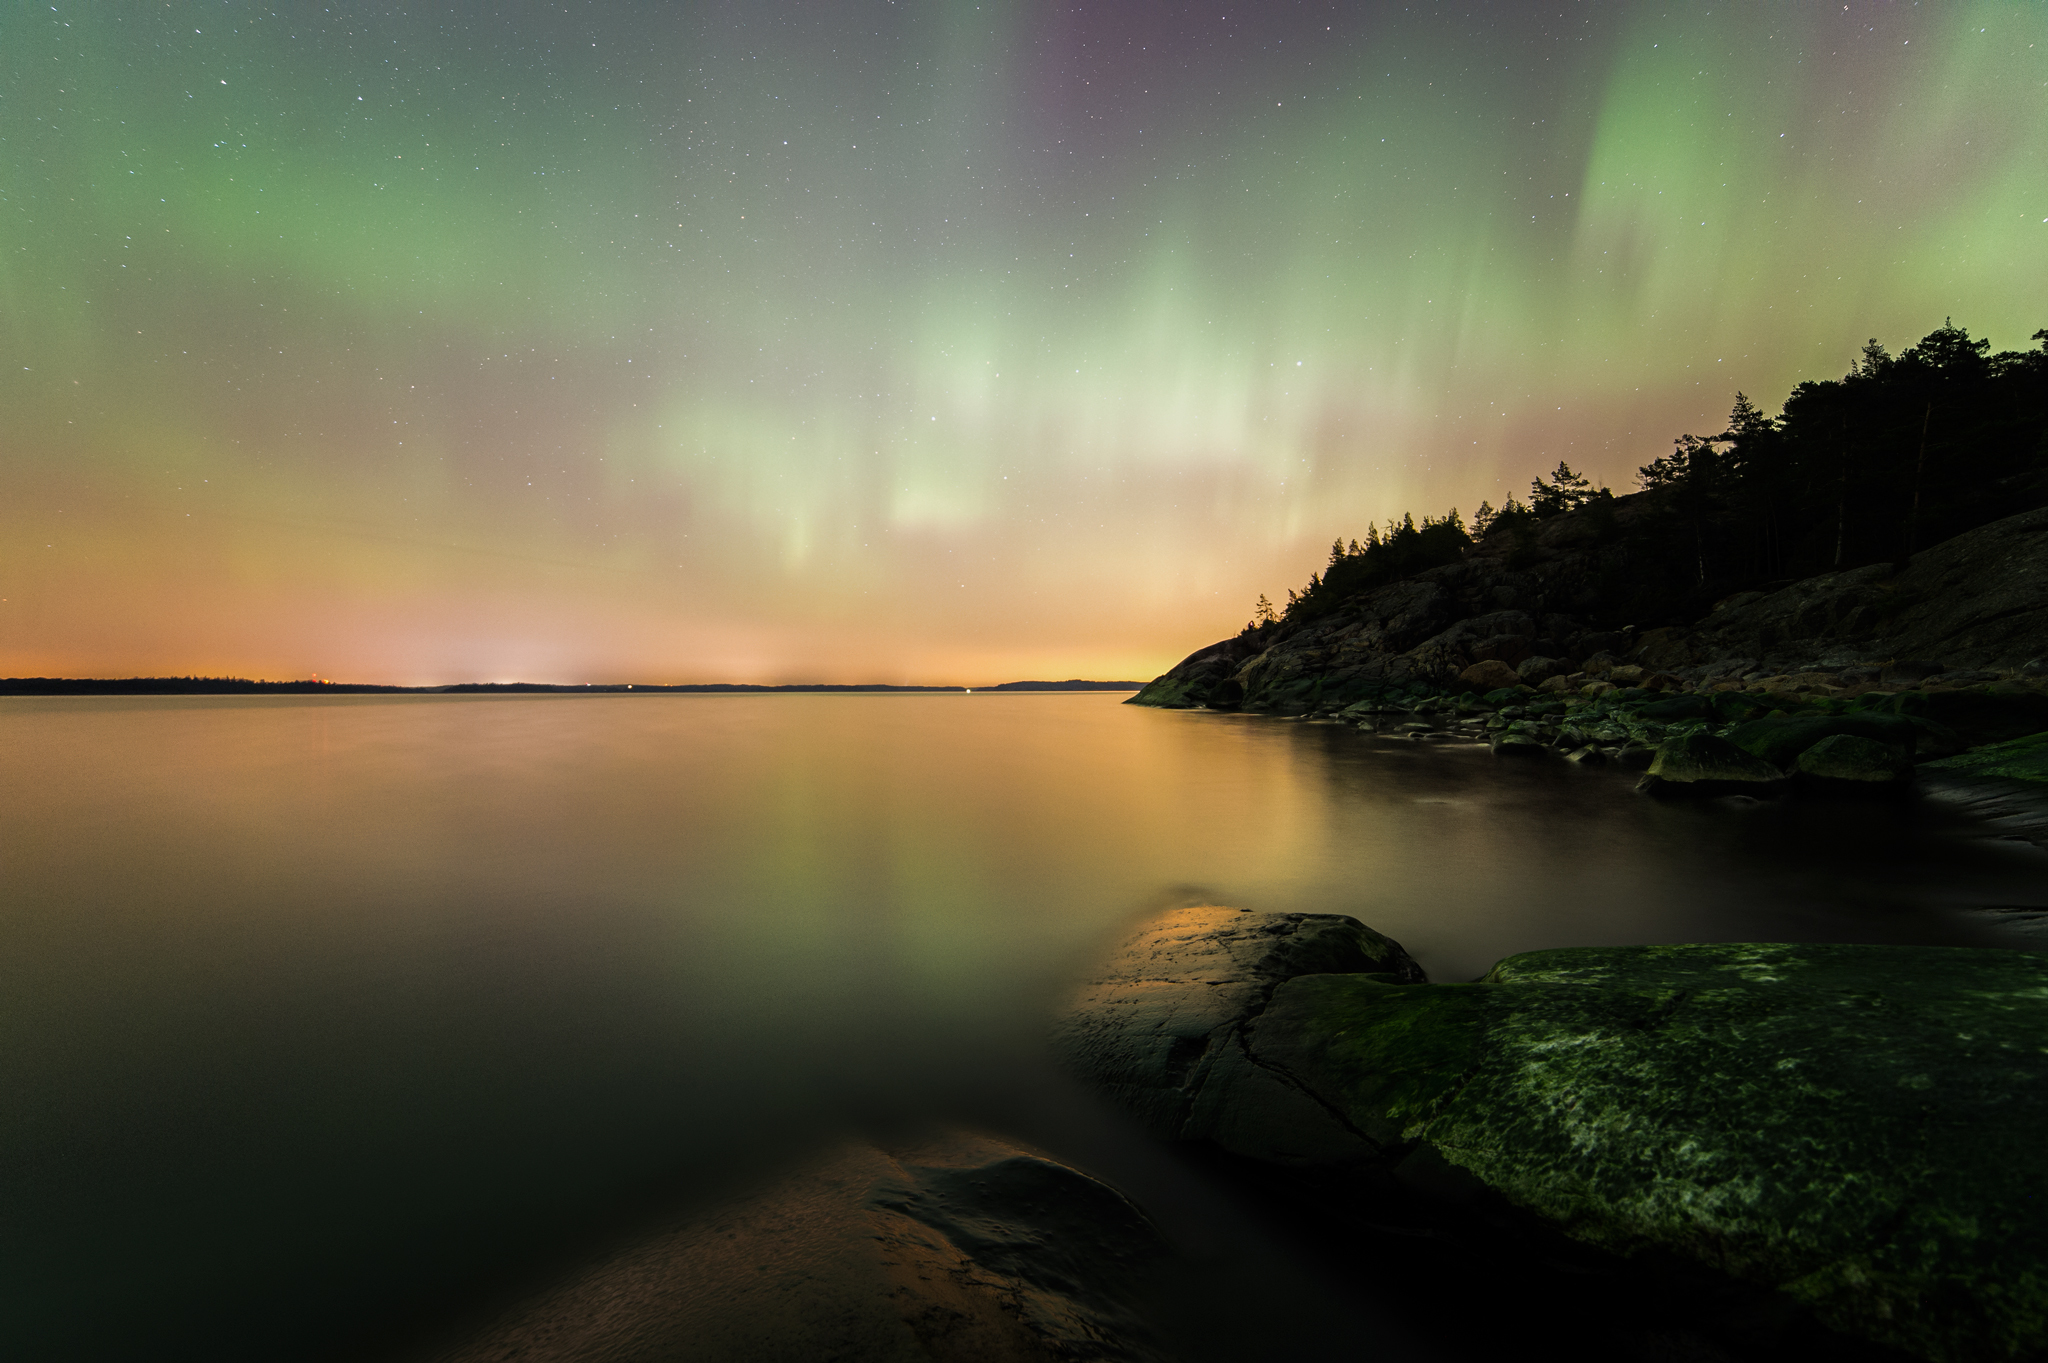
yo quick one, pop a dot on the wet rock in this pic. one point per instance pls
(1848, 758)
(1852, 1127)
(954, 1249)
(1978, 714)
(2020, 759)
(1851, 1130)
(2004, 786)
(1172, 1001)
(1780, 741)
(1705, 764)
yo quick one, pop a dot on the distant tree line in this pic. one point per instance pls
(1901, 452)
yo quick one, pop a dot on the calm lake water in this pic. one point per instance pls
(318, 1008)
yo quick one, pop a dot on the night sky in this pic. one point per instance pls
(913, 342)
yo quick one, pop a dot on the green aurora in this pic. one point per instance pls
(941, 342)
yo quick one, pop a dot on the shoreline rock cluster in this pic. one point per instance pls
(1848, 1132)
(1879, 679)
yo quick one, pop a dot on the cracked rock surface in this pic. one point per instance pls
(1853, 1129)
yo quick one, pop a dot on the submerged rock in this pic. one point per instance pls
(1851, 1129)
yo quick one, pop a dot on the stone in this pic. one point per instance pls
(1505, 648)
(1625, 674)
(1597, 688)
(1663, 649)
(1587, 756)
(1850, 758)
(1779, 741)
(953, 1248)
(1912, 670)
(1700, 763)
(1852, 1131)
(1855, 1128)
(1977, 714)
(1977, 600)
(1488, 675)
(2003, 787)
(1534, 671)
(1517, 743)
(1172, 999)
(2019, 759)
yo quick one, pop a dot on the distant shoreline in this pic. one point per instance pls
(240, 686)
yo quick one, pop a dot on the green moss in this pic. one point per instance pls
(1856, 1126)
(1780, 740)
(2020, 759)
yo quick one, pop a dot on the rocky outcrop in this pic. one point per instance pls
(1851, 1130)
(1974, 608)
(1172, 1003)
(2002, 785)
(1979, 600)
(959, 1249)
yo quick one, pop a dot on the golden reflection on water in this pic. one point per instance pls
(331, 998)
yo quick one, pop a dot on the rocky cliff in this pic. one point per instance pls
(1539, 605)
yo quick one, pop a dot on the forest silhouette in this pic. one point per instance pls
(1902, 452)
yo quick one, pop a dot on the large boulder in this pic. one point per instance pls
(1172, 1000)
(1780, 741)
(955, 1249)
(1702, 764)
(1490, 675)
(1845, 759)
(1851, 1130)
(1976, 714)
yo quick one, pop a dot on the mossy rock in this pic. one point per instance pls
(2020, 759)
(1167, 693)
(1989, 714)
(1846, 758)
(1779, 741)
(1678, 707)
(1855, 1127)
(1702, 760)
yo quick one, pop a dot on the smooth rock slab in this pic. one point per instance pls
(1171, 1004)
(1857, 1127)
(958, 1249)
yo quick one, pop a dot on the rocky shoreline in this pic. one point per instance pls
(1845, 1132)
(1810, 1150)
(1931, 676)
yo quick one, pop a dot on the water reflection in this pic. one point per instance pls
(318, 1006)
